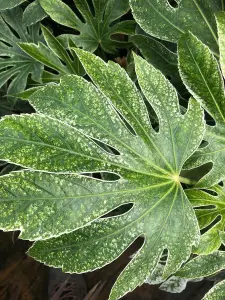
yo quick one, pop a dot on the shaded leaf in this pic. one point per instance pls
(33, 13)
(53, 54)
(9, 4)
(169, 23)
(160, 57)
(203, 266)
(217, 292)
(15, 64)
(200, 73)
(98, 26)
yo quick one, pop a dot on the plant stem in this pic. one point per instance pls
(187, 180)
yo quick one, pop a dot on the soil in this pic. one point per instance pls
(22, 278)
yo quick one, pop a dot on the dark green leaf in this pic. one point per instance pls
(15, 64)
(169, 23)
(98, 27)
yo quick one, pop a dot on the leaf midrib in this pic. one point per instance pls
(121, 228)
(205, 81)
(80, 154)
(91, 195)
(120, 141)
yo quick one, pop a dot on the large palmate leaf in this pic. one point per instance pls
(210, 208)
(15, 64)
(201, 75)
(169, 23)
(76, 120)
(98, 27)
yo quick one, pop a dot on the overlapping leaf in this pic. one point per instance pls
(210, 212)
(54, 55)
(217, 292)
(33, 13)
(160, 57)
(200, 73)
(98, 27)
(64, 138)
(15, 64)
(169, 23)
(10, 4)
(202, 266)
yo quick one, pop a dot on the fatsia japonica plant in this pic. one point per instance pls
(103, 158)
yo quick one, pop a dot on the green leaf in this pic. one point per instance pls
(75, 124)
(98, 26)
(201, 75)
(52, 55)
(9, 4)
(169, 23)
(160, 57)
(203, 266)
(220, 17)
(33, 13)
(209, 208)
(15, 64)
(217, 292)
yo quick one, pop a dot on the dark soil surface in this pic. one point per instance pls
(22, 278)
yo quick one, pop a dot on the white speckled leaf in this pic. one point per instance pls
(160, 19)
(211, 239)
(98, 26)
(63, 137)
(217, 292)
(220, 18)
(201, 75)
(203, 266)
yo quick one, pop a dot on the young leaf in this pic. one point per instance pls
(169, 23)
(15, 64)
(9, 4)
(33, 13)
(98, 26)
(209, 208)
(64, 138)
(203, 266)
(217, 292)
(200, 73)
(52, 55)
